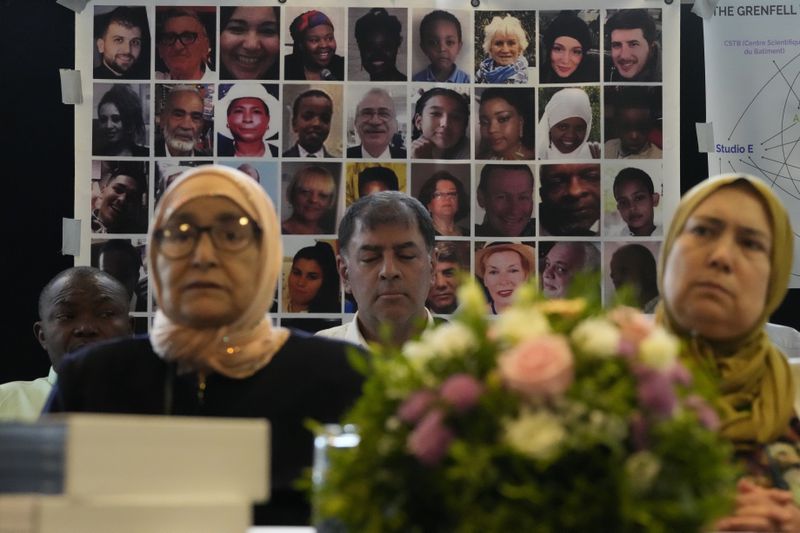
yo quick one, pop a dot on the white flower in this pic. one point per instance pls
(536, 434)
(471, 298)
(516, 325)
(641, 469)
(450, 339)
(597, 336)
(416, 350)
(659, 349)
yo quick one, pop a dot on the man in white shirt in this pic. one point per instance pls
(79, 306)
(386, 262)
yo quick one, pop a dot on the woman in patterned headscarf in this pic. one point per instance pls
(313, 54)
(725, 267)
(215, 254)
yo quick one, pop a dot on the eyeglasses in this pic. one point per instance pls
(186, 38)
(370, 114)
(450, 194)
(179, 239)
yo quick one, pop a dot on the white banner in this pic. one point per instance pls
(752, 60)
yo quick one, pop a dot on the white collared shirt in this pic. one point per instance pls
(351, 332)
(305, 153)
(387, 154)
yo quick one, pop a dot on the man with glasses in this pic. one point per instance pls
(181, 124)
(183, 46)
(121, 35)
(505, 192)
(376, 125)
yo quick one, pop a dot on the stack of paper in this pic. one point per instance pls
(98, 473)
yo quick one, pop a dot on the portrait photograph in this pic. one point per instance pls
(632, 194)
(505, 122)
(633, 125)
(504, 200)
(186, 44)
(451, 268)
(569, 46)
(264, 172)
(505, 47)
(310, 279)
(630, 276)
(569, 123)
(168, 170)
(438, 54)
(121, 121)
(440, 122)
(310, 44)
(184, 120)
(377, 122)
(569, 199)
(363, 179)
(119, 197)
(569, 268)
(248, 120)
(502, 267)
(444, 191)
(122, 47)
(377, 44)
(312, 120)
(126, 261)
(249, 42)
(633, 45)
(310, 200)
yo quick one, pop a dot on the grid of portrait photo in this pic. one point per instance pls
(534, 138)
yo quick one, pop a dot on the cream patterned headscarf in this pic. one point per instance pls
(241, 348)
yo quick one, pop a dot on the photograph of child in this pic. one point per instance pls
(437, 53)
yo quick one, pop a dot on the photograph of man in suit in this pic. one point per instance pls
(376, 125)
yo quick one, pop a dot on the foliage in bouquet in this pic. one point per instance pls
(555, 416)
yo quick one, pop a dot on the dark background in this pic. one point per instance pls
(37, 37)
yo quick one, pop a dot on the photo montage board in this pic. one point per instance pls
(542, 141)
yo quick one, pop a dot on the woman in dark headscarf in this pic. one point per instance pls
(725, 267)
(565, 52)
(215, 252)
(313, 54)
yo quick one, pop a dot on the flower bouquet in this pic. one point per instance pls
(553, 417)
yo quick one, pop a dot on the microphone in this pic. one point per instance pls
(327, 75)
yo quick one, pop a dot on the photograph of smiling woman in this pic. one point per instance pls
(569, 49)
(566, 125)
(246, 128)
(313, 54)
(249, 43)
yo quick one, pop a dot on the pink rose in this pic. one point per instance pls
(415, 406)
(461, 391)
(431, 439)
(539, 367)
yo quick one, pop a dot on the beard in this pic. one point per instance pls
(178, 146)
